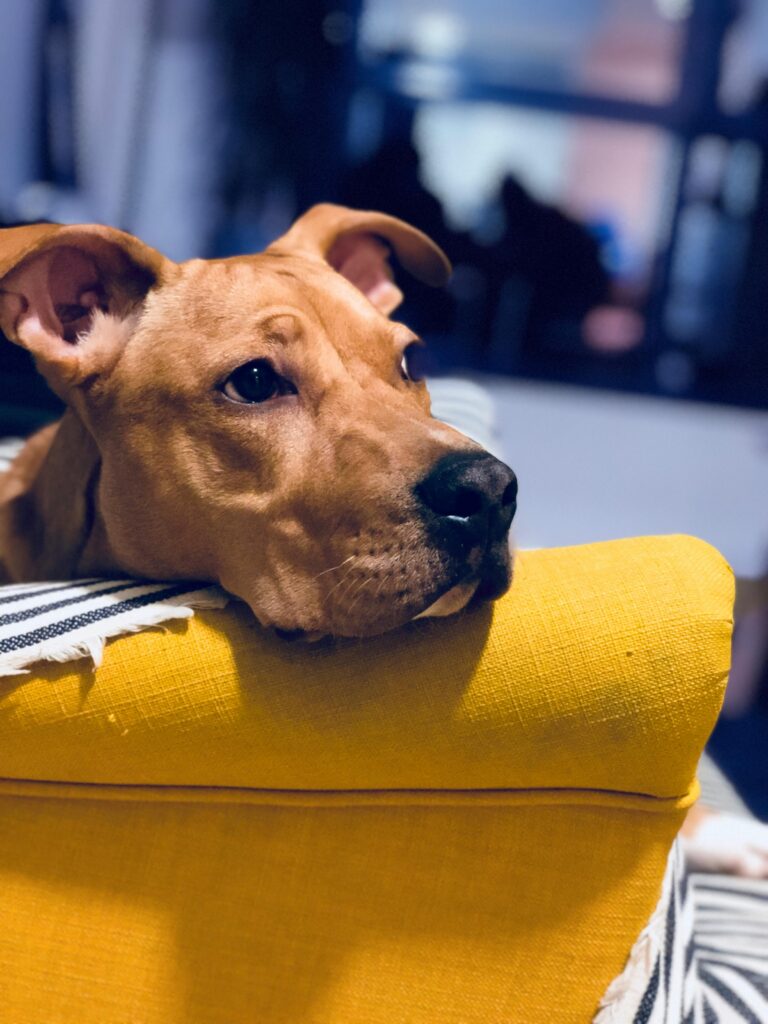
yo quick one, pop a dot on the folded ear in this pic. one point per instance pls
(350, 241)
(55, 280)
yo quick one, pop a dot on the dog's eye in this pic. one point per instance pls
(409, 364)
(256, 382)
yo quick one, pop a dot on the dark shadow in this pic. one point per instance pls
(419, 669)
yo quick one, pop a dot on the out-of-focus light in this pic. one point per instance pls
(742, 178)
(437, 35)
(613, 330)
(427, 81)
(707, 166)
(675, 10)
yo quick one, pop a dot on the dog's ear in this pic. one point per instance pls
(57, 282)
(350, 241)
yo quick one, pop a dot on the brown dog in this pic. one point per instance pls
(249, 421)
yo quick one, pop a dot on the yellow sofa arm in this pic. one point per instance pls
(602, 669)
(466, 822)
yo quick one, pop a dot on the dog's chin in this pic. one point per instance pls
(449, 603)
(485, 582)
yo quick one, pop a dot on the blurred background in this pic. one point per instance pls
(596, 171)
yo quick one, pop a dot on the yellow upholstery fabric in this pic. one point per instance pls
(467, 821)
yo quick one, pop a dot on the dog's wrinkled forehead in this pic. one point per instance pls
(249, 306)
(232, 287)
(85, 300)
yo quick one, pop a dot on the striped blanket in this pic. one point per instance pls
(65, 621)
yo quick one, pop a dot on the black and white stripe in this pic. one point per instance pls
(702, 959)
(729, 949)
(64, 621)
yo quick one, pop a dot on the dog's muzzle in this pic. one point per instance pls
(467, 502)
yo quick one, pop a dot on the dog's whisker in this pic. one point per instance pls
(360, 587)
(350, 589)
(340, 582)
(359, 592)
(334, 567)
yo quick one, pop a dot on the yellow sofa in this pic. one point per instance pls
(467, 821)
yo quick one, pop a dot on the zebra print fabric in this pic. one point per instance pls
(703, 957)
(728, 951)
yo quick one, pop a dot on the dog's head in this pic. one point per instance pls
(257, 424)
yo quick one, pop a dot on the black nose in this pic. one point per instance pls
(472, 492)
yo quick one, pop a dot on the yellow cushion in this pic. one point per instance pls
(466, 821)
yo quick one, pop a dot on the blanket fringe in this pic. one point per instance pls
(89, 642)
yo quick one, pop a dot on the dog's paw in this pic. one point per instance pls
(730, 844)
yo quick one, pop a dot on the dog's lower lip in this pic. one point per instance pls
(450, 601)
(468, 576)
